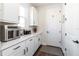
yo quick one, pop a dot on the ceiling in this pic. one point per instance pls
(44, 4)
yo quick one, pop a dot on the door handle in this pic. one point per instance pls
(77, 42)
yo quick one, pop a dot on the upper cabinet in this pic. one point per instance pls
(1, 13)
(24, 12)
(9, 12)
(33, 16)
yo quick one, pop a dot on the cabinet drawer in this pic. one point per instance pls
(14, 49)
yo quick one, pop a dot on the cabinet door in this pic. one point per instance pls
(30, 47)
(10, 13)
(33, 16)
(35, 22)
(17, 50)
(39, 40)
(36, 43)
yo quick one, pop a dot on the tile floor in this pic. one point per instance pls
(49, 51)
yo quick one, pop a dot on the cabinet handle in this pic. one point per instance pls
(16, 47)
(39, 39)
(30, 39)
(26, 49)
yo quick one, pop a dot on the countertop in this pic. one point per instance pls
(5, 45)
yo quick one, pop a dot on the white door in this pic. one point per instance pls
(53, 27)
(71, 28)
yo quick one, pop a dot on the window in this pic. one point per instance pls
(21, 16)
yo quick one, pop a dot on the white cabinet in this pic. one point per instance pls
(33, 16)
(9, 12)
(25, 48)
(29, 49)
(32, 45)
(39, 40)
(36, 43)
(17, 50)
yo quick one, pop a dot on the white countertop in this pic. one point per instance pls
(5, 45)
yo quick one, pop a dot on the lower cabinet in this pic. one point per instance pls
(32, 45)
(36, 43)
(39, 40)
(25, 48)
(29, 49)
(17, 50)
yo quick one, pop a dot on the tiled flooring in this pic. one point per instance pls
(49, 51)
